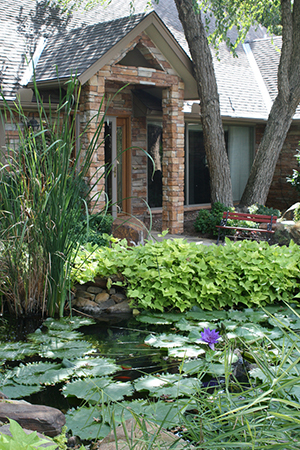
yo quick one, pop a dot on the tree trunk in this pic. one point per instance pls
(282, 111)
(213, 133)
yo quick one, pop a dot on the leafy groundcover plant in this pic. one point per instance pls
(42, 195)
(243, 394)
(19, 440)
(174, 274)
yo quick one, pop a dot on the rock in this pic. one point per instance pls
(133, 438)
(295, 232)
(289, 213)
(84, 294)
(118, 298)
(94, 290)
(102, 306)
(5, 430)
(131, 229)
(84, 303)
(73, 441)
(120, 308)
(103, 297)
(112, 291)
(100, 282)
(44, 419)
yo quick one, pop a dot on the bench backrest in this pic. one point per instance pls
(259, 218)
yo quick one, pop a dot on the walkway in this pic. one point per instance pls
(157, 237)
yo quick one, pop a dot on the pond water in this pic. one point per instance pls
(155, 365)
(120, 338)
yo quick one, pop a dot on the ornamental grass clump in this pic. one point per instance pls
(43, 193)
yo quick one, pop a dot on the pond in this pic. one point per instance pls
(156, 365)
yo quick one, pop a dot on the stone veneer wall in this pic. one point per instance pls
(92, 93)
(282, 195)
(162, 75)
(173, 158)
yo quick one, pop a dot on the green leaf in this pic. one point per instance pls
(16, 351)
(57, 348)
(19, 391)
(98, 389)
(166, 340)
(87, 423)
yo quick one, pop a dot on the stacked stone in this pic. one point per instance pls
(95, 298)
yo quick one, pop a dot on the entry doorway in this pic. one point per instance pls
(118, 164)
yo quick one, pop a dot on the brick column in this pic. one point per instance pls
(92, 94)
(173, 158)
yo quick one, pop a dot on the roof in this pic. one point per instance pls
(75, 42)
(65, 50)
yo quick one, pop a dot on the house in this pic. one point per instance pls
(157, 110)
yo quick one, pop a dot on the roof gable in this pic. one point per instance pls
(140, 56)
(75, 51)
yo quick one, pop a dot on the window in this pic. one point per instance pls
(154, 149)
(239, 142)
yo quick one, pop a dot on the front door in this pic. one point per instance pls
(118, 164)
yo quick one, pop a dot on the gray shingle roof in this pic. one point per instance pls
(267, 54)
(78, 40)
(76, 50)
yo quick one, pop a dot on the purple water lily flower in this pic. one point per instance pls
(210, 336)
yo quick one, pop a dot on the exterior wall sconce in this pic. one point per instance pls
(33, 123)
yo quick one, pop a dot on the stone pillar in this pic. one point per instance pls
(173, 158)
(92, 94)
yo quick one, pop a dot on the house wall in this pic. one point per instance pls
(105, 83)
(120, 104)
(282, 195)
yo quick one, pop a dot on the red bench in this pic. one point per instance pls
(268, 222)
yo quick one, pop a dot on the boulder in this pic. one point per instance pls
(131, 229)
(120, 308)
(94, 290)
(44, 419)
(101, 297)
(84, 303)
(289, 213)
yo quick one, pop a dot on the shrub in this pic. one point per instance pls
(295, 178)
(207, 220)
(297, 214)
(92, 229)
(265, 210)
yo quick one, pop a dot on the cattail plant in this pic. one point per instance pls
(43, 193)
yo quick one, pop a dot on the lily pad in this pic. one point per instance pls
(194, 366)
(98, 390)
(16, 351)
(87, 423)
(186, 352)
(166, 340)
(13, 391)
(57, 348)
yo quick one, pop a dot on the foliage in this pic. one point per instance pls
(92, 228)
(207, 220)
(294, 179)
(175, 274)
(297, 214)
(242, 15)
(42, 196)
(23, 441)
(262, 209)
(244, 394)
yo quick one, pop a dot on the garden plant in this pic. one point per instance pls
(229, 379)
(43, 195)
